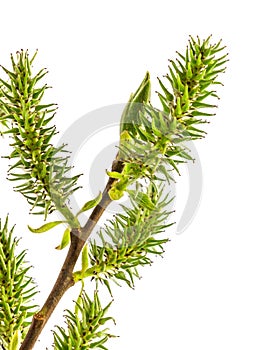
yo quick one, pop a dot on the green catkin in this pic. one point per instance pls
(16, 291)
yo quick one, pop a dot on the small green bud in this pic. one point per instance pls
(199, 60)
(178, 110)
(179, 83)
(115, 194)
(186, 93)
(125, 136)
(189, 71)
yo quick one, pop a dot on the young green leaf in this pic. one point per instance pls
(65, 240)
(114, 175)
(135, 105)
(90, 204)
(45, 227)
(85, 259)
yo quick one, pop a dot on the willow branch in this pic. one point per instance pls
(65, 278)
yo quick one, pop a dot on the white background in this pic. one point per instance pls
(200, 296)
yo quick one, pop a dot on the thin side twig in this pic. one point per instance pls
(65, 278)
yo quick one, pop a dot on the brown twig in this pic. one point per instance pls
(65, 278)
